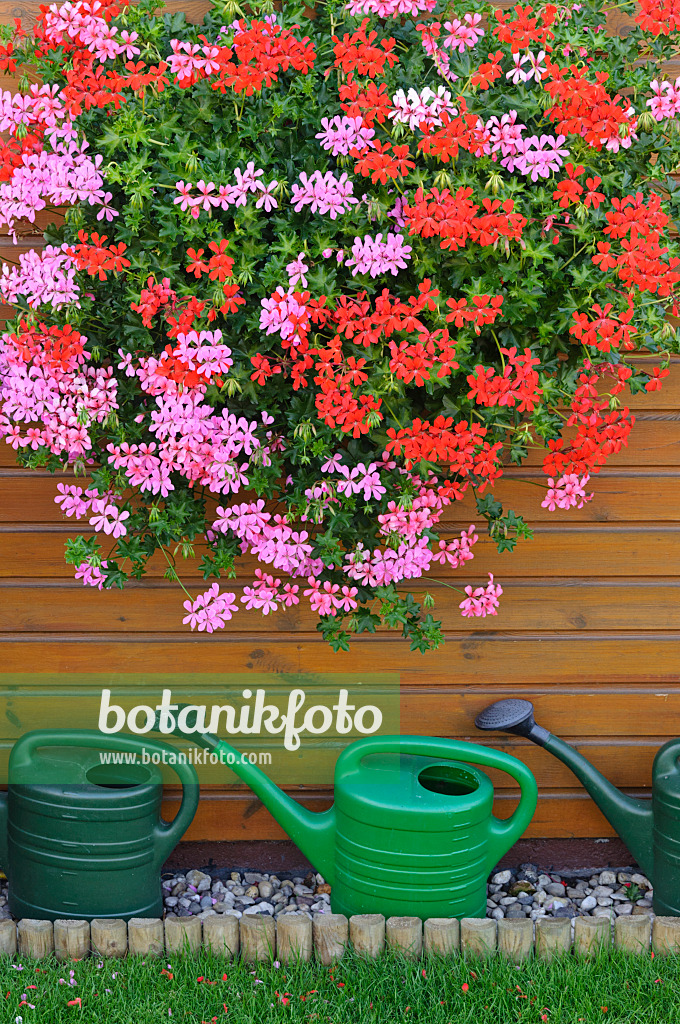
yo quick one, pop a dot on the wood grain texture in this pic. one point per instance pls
(547, 605)
(580, 659)
(588, 629)
(28, 496)
(564, 550)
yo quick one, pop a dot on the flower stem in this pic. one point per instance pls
(172, 566)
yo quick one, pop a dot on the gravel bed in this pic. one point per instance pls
(525, 891)
(251, 892)
(529, 892)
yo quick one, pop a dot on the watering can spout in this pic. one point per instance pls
(632, 819)
(312, 832)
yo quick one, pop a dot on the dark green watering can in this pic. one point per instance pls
(649, 828)
(83, 839)
(411, 831)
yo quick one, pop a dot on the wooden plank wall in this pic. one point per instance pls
(589, 626)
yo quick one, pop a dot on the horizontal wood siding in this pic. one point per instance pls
(589, 625)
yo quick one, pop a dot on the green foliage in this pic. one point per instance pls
(159, 137)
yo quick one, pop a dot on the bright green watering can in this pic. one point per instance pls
(411, 832)
(80, 838)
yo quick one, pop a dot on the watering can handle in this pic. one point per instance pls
(505, 831)
(167, 833)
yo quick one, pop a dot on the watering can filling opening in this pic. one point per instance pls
(449, 780)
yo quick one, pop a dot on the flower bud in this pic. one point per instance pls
(443, 180)
(191, 166)
(231, 387)
(646, 121)
(305, 430)
(494, 183)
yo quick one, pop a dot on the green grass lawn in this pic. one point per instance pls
(436, 991)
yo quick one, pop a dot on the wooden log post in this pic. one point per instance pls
(367, 934)
(633, 934)
(71, 939)
(108, 936)
(666, 935)
(221, 935)
(591, 935)
(441, 936)
(553, 936)
(330, 933)
(36, 938)
(516, 938)
(145, 936)
(294, 938)
(405, 935)
(8, 937)
(258, 937)
(183, 935)
(477, 935)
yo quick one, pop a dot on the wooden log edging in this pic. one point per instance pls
(258, 938)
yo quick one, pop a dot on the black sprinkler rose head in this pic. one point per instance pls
(515, 716)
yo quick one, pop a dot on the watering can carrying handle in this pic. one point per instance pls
(506, 831)
(167, 833)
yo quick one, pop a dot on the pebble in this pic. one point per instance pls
(589, 903)
(607, 878)
(555, 889)
(557, 903)
(502, 877)
(517, 888)
(260, 908)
